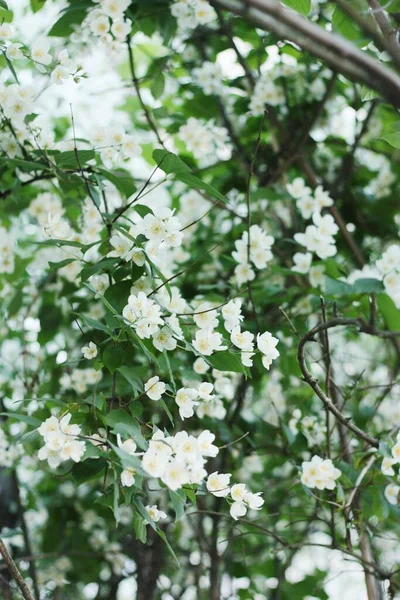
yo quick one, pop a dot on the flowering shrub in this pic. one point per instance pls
(200, 291)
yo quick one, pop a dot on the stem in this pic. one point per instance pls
(16, 575)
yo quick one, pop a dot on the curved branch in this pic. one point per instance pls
(313, 383)
(16, 575)
(334, 50)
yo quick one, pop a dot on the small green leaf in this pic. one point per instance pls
(226, 361)
(157, 85)
(121, 179)
(87, 470)
(133, 379)
(73, 160)
(24, 418)
(113, 357)
(169, 162)
(301, 6)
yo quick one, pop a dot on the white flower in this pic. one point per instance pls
(59, 74)
(155, 514)
(205, 317)
(218, 484)
(40, 52)
(164, 340)
(128, 477)
(238, 492)
(266, 344)
(130, 147)
(242, 339)
(89, 351)
(207, 342)
(232, 314)
(154, 388)
(237, 510)
(13, 52)
(6, 31)
(387, 466)
(302, 262)
(121, 28)
(297, 188)
(100, 26)
(99, 283)
(200, 366)
(73, 449)
(319, 473)
(392, 493)
(243, 273)
(322, 197)
(155, 463)
(205, 391)
(174, 476)
(185, 400)
(122, 247)
(396, 452)
(206, 446)
(128, 446)
(306, 206)
(254, 501)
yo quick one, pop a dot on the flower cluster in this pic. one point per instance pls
(143, 314)
(209, 78)
(306, 202)
(389, 267)
(191, 13)
(266, 91)
(319, 473)
(319, 238)
(7, 251)
(180, 459)
(204, 139)
(60, 439)
(253, 247)
(107, 21)
(310, 426)
(115, 145)
(218, 484)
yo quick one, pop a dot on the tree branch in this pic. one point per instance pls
(334, 50)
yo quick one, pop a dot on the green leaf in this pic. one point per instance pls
(301, 6)
(226, 361)
(72, 16)
(117, 294)
(392, 136)
(73, 160)
(124, 183)
(169, 162)
(140, 528)
(24, 418)
(197, 184)
(157, 85)
(95, 324)
(133, 379)
(116, 498)
(25, 165)
(178, 500)
(88, 470)
(3, 4)
(335, 287)
(123, 423)
(113, 357)
(37, 5)
(390, 313)
(385, 450)
(102, 265)
(11, 67)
